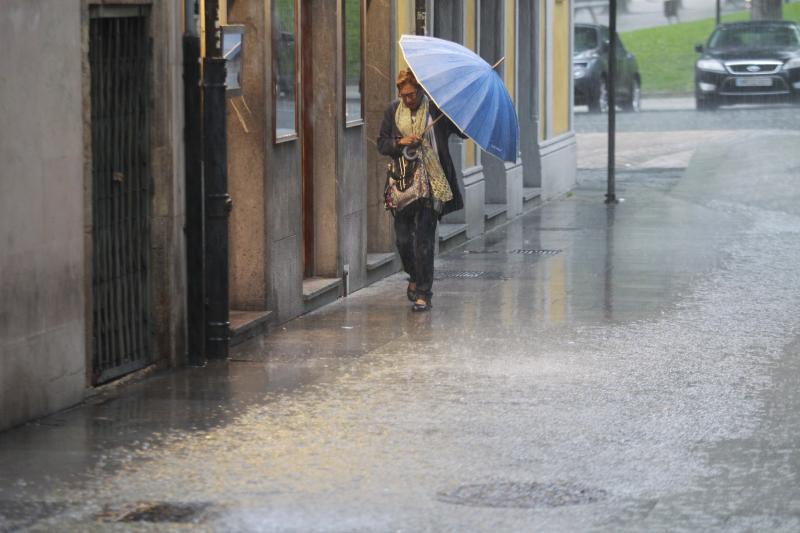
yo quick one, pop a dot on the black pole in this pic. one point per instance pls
(195, 223)
(217, 199)
(718, 12)
(611, 194)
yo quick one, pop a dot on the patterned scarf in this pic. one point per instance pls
(409, 125)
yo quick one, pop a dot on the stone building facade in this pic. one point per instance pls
(94, 275)
(308, 224)
(68, 319)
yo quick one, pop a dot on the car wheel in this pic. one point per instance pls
(599, 101)
(634, 103)
(706, 104)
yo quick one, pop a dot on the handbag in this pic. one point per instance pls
(406, 181)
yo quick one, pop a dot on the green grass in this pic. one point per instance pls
(666, 54)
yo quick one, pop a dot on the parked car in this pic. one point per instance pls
(590, 70)
(747, 61)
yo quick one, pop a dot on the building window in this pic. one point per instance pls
(284, 68)
(353, 63)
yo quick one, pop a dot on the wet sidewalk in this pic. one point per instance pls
(584, 368)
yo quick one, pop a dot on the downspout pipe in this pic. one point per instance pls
(215, 177)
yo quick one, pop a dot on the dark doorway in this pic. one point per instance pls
(119, 57)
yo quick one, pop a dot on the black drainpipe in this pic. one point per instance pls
(218, 201)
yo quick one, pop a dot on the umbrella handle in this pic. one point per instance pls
(437, 119)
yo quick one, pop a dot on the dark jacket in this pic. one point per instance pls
(387, 145)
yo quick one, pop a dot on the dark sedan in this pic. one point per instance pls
(590, 70)
(748, 61)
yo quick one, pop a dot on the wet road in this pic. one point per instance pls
(678, 114)
(585, 368)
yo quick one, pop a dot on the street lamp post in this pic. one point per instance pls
(611, 194)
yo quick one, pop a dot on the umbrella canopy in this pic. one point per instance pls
(467, 89)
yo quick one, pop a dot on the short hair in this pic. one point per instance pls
(406, 76)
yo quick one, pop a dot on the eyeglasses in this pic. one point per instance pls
(408, 96)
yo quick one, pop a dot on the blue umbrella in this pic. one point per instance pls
(467, 89)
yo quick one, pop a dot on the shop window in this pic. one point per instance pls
(284, 68)
(353, 63)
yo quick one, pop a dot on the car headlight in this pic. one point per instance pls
(587, 55)
(792, 63)
(579, 70)
(711, 65)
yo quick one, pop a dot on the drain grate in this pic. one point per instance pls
(159, 512)
(518, 252)
(535, 252)
(522, 495)
(467, 274)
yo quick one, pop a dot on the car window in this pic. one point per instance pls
(755, 37)
(585, 39)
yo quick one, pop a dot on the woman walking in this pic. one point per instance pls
(406, 124)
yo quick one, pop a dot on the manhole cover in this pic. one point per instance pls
(522, 495)
(467, 274)
(181, 513)
(535, 252)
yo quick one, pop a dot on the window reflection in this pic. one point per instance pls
(284, 16)
(232, 42)
(352, 69)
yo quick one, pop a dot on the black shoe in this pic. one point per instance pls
(418, 308)
(425, 306)
(411, 293)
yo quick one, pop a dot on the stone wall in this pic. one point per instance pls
(46, 199)
(42, 339)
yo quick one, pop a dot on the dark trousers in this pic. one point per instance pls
(415, 229)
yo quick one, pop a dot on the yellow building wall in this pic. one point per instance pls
(471, 42)
(404, 24)
(562, 65)
(543, 57)
(510, 70)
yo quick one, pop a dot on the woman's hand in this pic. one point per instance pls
(410, 140)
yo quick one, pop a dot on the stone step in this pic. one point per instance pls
(531, 193)
(491, 211)
(377, 260)
(320, 291)
(247, 324)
